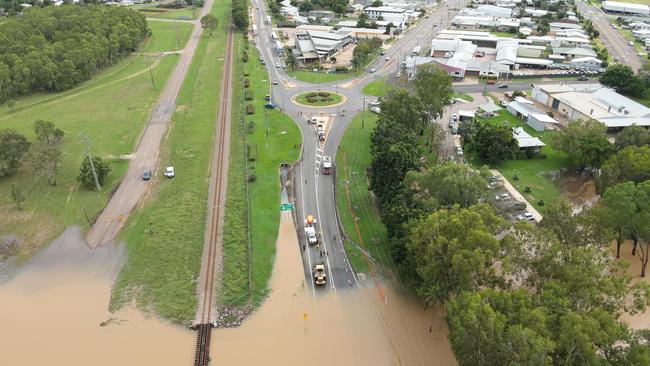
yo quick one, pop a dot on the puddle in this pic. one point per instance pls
(579, 190)
(347, 328)
(51, 313)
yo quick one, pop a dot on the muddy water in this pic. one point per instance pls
(353, 328)
(639, 321)
(51, 311)
(580, 191)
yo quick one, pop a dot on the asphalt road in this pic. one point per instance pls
(132, 187)
(613, 40)
(314, 191)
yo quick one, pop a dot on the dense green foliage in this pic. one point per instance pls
(210, 22)
(632, 164)
(86, 175)
(492, 143)
(632, 136)
(12, 148)
(433, 86)
(240, 14)
(622, 78)
(364, 51)
(54, 48)
(585, 143)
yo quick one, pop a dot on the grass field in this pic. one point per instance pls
(151, 11)
(165, 36)
(531, 172)
(276, 140)
(165, 237)
(321, 77)
(377, 88)
(353, 199)
(111, 108)
(319, 100)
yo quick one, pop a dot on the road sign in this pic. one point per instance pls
(286, 207)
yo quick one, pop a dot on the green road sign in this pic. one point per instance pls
(286, 207)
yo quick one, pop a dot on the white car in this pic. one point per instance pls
(454, 117)
(169, 172)
(275, 82)
(502, 197)
(375, 110)
(387, 58)
(526, 216)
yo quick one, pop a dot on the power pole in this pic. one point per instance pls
(88, 143)
(178, 40)
(363, 114)
(153, 84)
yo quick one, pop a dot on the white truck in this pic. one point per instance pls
(310, 230)
(327, 164)
(320, 278)
(268, 19)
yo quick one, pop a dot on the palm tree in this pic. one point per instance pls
(290, 59)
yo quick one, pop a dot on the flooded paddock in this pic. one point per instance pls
(577, 189)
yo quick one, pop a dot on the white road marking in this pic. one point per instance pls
(306, 251)
(319, 150)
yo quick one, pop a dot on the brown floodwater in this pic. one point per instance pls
(347, 328)
(579, 190)
(52, 312)
(638, 321)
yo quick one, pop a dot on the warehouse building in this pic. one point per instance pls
(626, 8)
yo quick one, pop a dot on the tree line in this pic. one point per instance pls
(514, 294)
(54, 48)
(240, 14)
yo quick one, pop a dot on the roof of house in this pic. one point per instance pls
(616, 4)
(507, 52)
(524, 139)
(576, 51)
(466, 113)
(533, 61)
(385, 9)
(585, 59)
(542, 117)
(489, 107)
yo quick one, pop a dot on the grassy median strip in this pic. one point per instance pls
(165, 237)
(121, 97)
(322, 77)
(168, 36)
(354, 200)
(271, 139)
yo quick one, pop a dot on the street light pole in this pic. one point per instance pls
(363, 114)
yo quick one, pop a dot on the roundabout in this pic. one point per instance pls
(318, 99)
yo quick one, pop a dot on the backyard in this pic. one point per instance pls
(534, 173)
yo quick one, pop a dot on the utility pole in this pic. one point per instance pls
(363, 114)
(153, 84)
(193, 9)
(89, 142)
(178, 40)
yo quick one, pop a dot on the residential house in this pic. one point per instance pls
(527, 142)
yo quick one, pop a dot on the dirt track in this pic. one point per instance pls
(132, 187)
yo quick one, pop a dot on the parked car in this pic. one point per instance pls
(147, 174)
(526, 216)
(269, 106)
(398, 74)
(372, 70)
(169, 172)
(582, 78)
(491, 82)
(263, 62)
(387, 58)
(503, 86)
(504, 103)
(277, 64)
(454, 116)
(459, 150)
(275, 82)
(375, 109)
(502, 197)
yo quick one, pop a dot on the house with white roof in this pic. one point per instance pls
(570, 53)
(641, 33)
(494, 11)
(588, 62)
(375, 12)
(535, 13)
(592, 101)
(524, 109)
(526, 141)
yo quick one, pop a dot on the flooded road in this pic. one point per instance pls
(52, 312)
(346, 328)
(580, 191)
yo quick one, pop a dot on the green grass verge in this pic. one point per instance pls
(168, 36)
(151, 11)
(462, 96)
(321, 77)
(532, 173)
(319, 100)
(352, 161)
(165, 237)
(121, 97)
(277, 140)
(377, 88)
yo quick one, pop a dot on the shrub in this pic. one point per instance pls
(244, 57)
(252, 152)
(251, 126)
(342, 69)
(249, 95)
(247, 83)
(250, 109)
(252, 178)
(323, 94)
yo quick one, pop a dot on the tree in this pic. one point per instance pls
(630, 164)
(12, 148)
(102, 169)
(240, 12)
(357, 63)
(445, 185)
(616, 211)
(47, 133)
(290, 59)
(632, 135)
(622, 78)
(453, 251)
(43, 160)
(306, 6)
(433, 85)
(11, 103)
(494, 143)
(389, 165)
(17, 196)
(404, 108)
(209, 21)
(582, 229)
(377, 3)
(362, 21)
(585, 142)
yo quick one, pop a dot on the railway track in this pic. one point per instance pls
(205, 317)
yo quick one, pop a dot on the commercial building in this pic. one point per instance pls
(592, 101)
(315, 45)
(374, 12)
(625, 8)
(533, 117)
